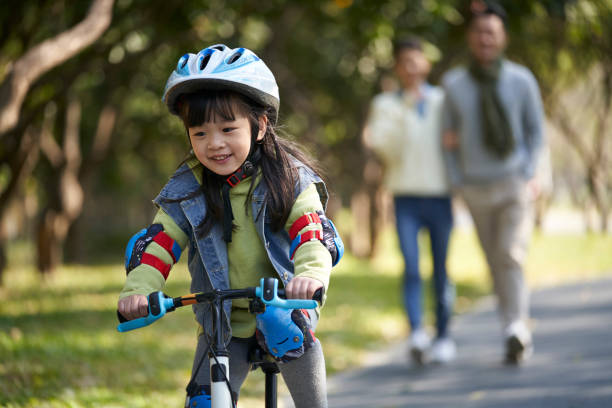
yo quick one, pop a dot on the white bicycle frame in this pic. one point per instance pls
(219, 390)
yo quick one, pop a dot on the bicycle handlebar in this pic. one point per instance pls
(267, 291)
(159, 304)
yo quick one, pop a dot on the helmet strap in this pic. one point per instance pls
(248, 168)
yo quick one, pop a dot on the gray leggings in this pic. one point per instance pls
(305, 377)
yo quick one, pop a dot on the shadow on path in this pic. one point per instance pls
(571, 366)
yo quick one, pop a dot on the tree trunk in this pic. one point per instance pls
(21, 164)
(597, 186)
(594, 163)
(368, 209)
(99, 151)
(593, 156)
(56, 219)
(3, 260)
(360, 239)
(599, 172)
(47, 247)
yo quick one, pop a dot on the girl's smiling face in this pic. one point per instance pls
(222, 145)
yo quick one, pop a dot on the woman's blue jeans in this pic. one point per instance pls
(434, 213)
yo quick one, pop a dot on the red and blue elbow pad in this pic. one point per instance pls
(135, 251)
(329, 237)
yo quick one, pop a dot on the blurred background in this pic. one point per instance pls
(86, 143)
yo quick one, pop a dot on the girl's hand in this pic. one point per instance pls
(133, 307)
(302, 288)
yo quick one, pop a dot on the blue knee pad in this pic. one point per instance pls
(285, 334)
(200, 401)
(280, 332)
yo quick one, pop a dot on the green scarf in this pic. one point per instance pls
(496, 128)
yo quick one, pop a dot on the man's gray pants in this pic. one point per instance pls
(502, 215)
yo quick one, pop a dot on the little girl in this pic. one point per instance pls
(249, 205)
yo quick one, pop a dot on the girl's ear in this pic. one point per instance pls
(263, 125)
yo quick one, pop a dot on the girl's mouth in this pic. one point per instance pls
(221, 158)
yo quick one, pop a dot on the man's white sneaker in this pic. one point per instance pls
(419, 344)
(443, 351)
(519, 345)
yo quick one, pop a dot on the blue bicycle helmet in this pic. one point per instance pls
(220, 67)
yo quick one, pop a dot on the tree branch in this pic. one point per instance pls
(71, 191)
(571, 135)
(106, 124)
(48, 145)
(47, 55)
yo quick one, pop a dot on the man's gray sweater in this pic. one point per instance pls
(471, 162)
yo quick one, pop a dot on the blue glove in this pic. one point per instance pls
(285, 334)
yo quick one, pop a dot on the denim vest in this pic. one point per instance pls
(207, 261)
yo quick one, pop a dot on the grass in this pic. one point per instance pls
(59, 346)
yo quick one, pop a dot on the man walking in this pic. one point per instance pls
(492, 124)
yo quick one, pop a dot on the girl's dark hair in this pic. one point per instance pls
(277, 154)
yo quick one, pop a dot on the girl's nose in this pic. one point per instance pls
(215, 141)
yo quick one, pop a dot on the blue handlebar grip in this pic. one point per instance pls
(274, 300)
(165, 304)
(294, 303)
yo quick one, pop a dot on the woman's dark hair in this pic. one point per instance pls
(407, 43)
(277, 154)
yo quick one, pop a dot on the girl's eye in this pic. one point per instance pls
(199, 134)
(228, 129)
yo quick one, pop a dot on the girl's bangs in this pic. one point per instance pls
(211, 107)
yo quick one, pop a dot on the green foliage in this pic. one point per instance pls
(328, 57)
(58, 345)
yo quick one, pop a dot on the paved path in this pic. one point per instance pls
(571, 366)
